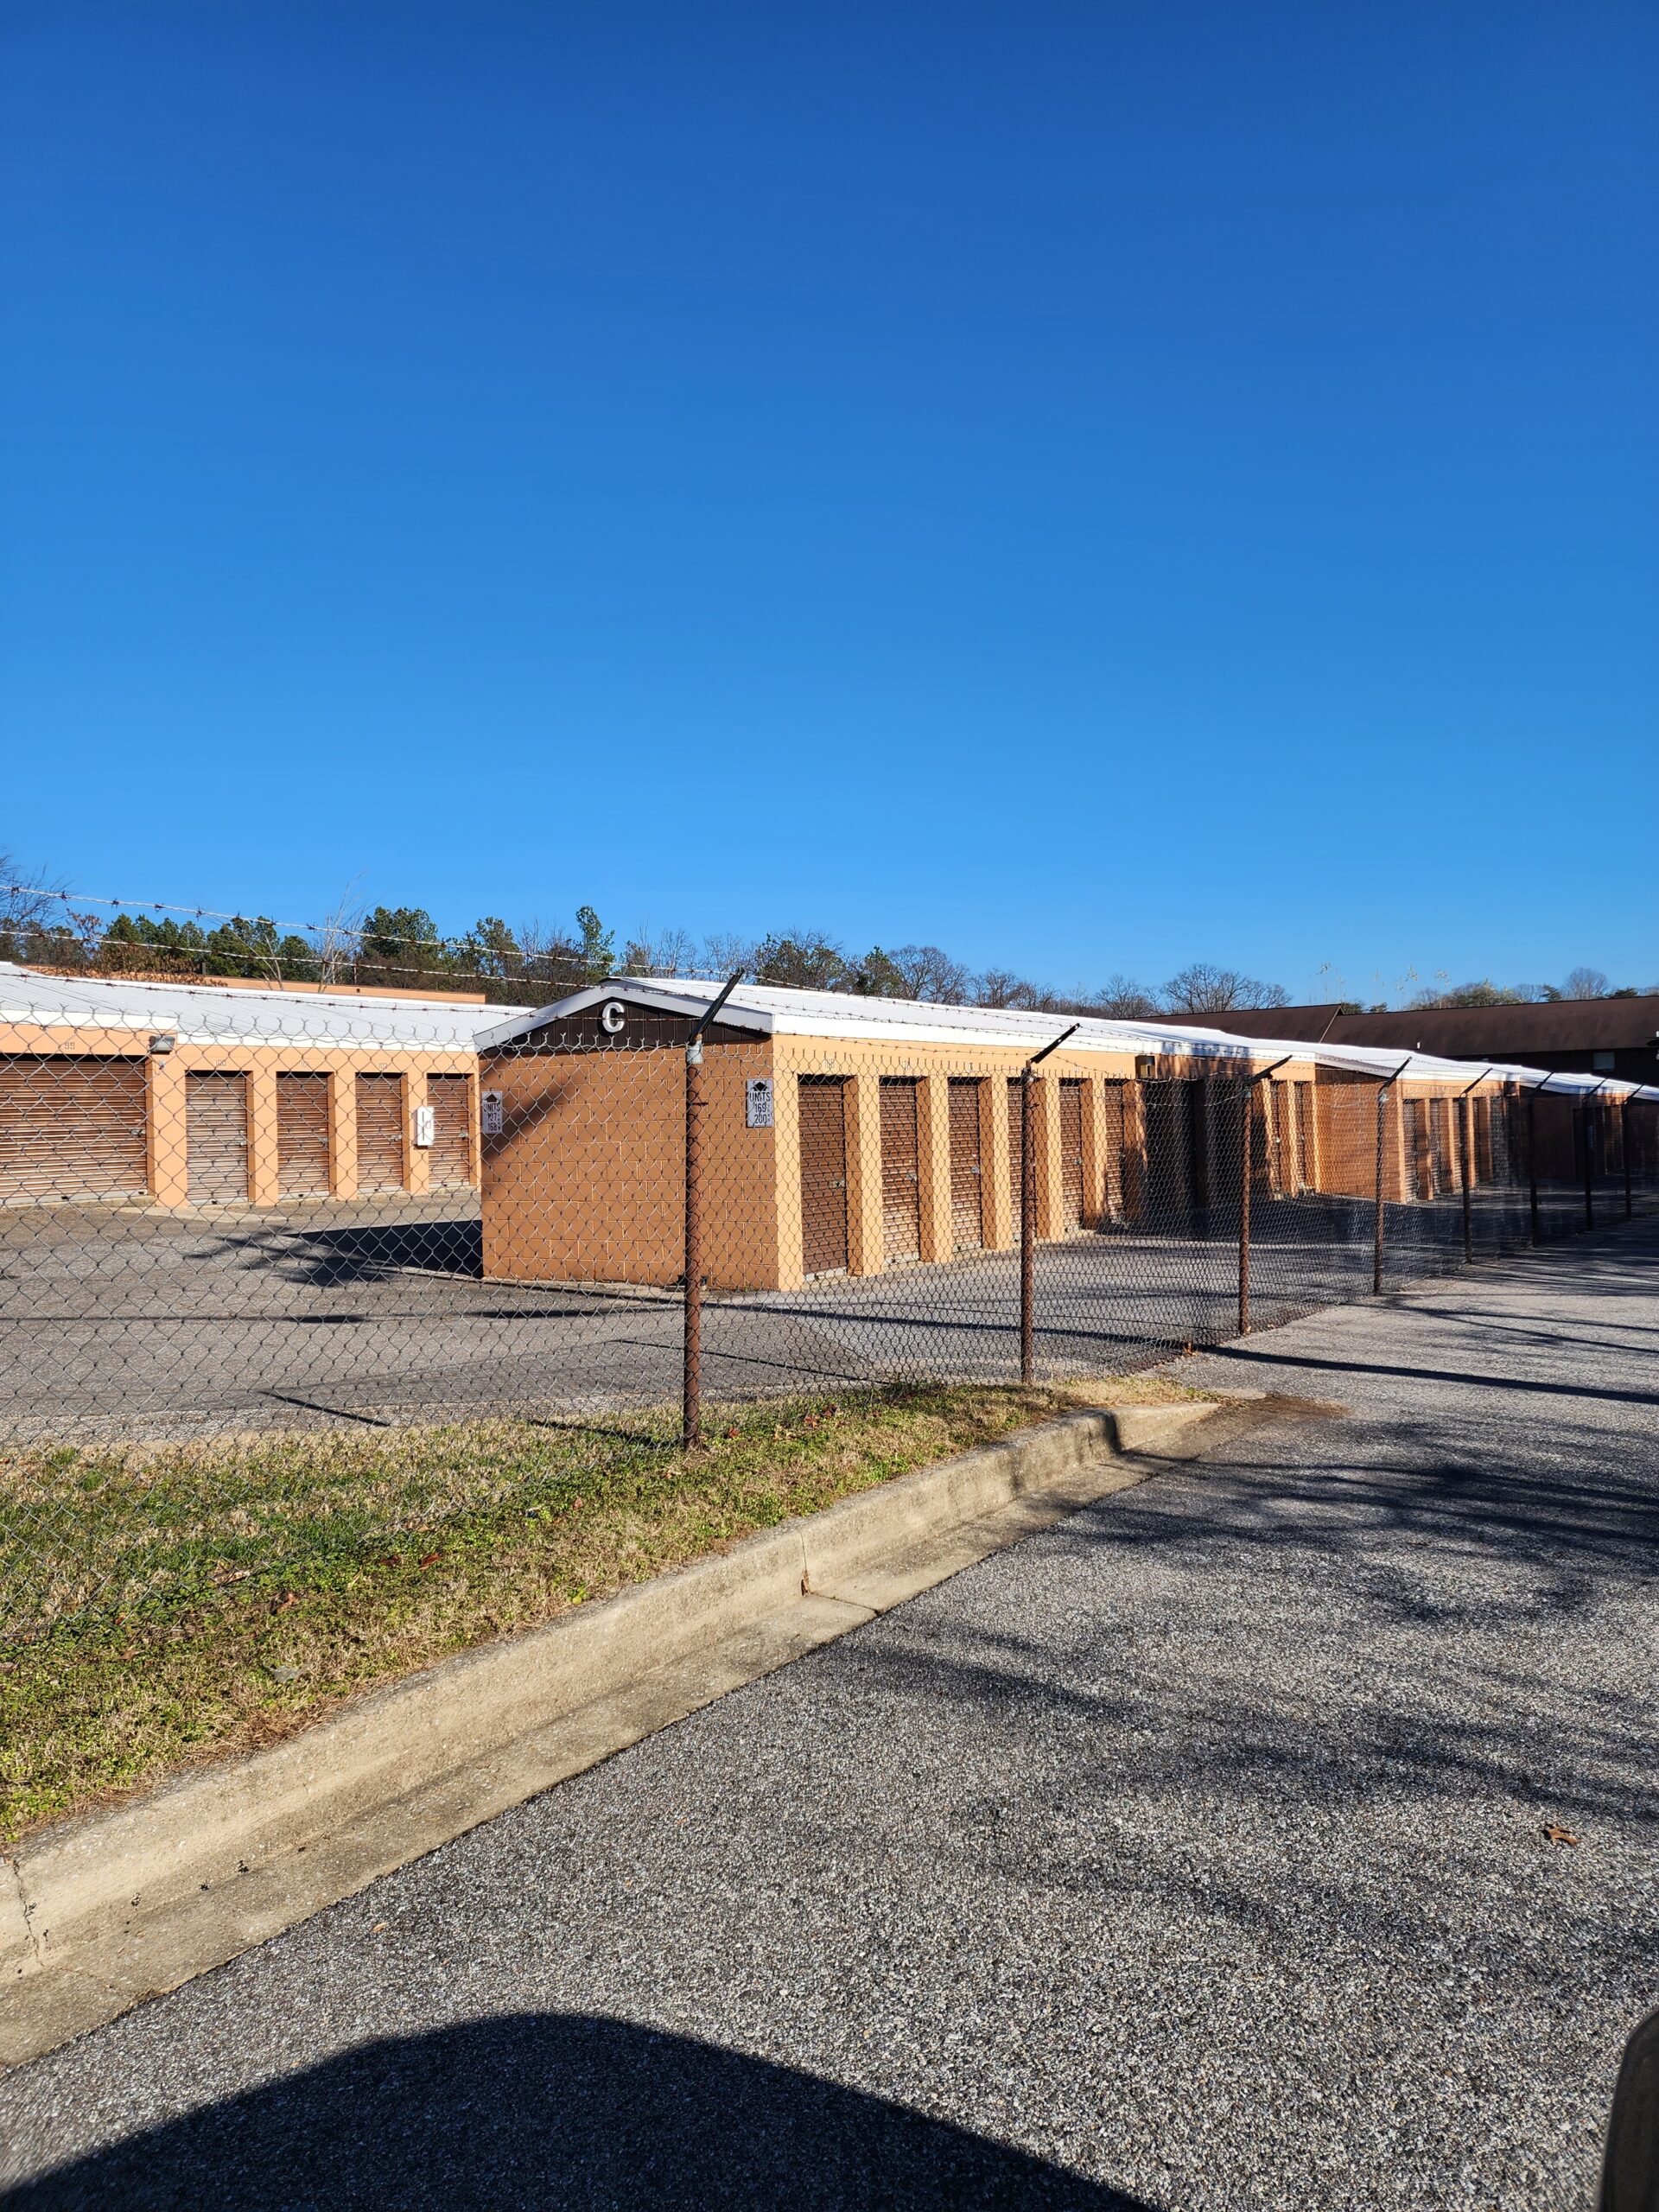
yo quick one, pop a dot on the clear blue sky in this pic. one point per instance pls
(1091, 485)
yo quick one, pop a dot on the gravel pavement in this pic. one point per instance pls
(1192, 1853)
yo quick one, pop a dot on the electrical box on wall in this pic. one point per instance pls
(424, 1125)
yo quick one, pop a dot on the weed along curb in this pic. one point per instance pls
(106, 1909)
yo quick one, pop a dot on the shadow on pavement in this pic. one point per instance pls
(562, 2110)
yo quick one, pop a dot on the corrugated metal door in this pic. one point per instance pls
(72, 1129)
(450, 1097)
(1071, 1156)
(967, 1181)
(379, 1133)
(1304, 1095)
(1418, 1165)
(302, 1136)
(1111, 1192)
(901, 1183)
(216, 1128)
(1168, 1146)
(823, 1174)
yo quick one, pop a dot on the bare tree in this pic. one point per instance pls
(661, 952)
(1584, 984)
(725, 953)
(928, 973)
(1000, 987)
(1122, 999)
(31, 925)
(339, 937)
(1205, 988)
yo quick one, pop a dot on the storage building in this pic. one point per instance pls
(851, 1135)
(198, 1094)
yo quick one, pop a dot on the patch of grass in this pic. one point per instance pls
(230, 1591)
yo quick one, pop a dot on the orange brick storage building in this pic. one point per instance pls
(181, 1095)
(851, 1135)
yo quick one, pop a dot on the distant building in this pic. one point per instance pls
(1615, 1037)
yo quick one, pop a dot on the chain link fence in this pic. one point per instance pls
(269, 1261)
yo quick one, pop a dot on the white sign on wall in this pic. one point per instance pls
(425, 1125)
(757, 1092)
(490, 1113)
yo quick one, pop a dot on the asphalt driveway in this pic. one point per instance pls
(1194, 1854)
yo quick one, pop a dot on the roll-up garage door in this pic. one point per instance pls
(450, 1097)
(1071, 1156)
(71, 1128)
(302, 1136)
(216, 1129)
(1111, 1178)
(823, 1174)
(967, 1181)
(901, 1186)
(379, 1133)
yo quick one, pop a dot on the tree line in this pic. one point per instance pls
(401, 948)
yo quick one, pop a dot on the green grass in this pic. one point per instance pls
(209, 1597)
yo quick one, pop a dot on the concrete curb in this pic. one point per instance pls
(102, 1912)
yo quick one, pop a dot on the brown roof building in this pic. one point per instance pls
(1615, 1036)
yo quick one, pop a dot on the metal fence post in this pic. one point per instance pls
(1379, 1209)
(1246, 1095)
(1028, 1215)
(1624, 1148)
(1027, 1208)
(1589, 1158)
(1465, 1150)
(691, 1383)
(691, 1364)
(1246, 1164)
(1532, 1157)
(1465, 1162)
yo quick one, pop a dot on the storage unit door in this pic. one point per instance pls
(71, 1128)
(1071, 1156)
(967, 1182)
(302, 1136)
(823, 1174)
(379, 1133)
(216, 1133)
(1111, 1192)
(450, 1097)
(901, 1182)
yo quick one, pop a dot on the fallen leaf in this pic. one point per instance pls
(289, 1598)
(432, 1558)
(1553, 1833)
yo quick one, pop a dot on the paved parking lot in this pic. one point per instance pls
(123, 1321)
(1193, 1854)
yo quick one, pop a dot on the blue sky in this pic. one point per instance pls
(1092, 486)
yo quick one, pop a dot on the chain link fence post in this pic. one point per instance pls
(1532, 1159)
(1245, 1096)
(691, 1364)
(1624, 1149)
(1027, 1241)
(691, 1379)
(1379, 1201)
(1027, 1214)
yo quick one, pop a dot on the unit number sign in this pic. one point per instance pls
(490, 1113)
(758, 1094)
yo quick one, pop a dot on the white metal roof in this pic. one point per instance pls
(202, 1013)
(773, 1010)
